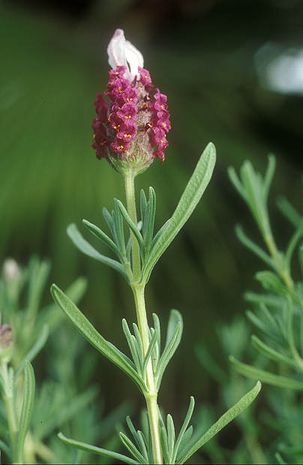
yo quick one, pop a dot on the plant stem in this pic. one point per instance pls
(151, 396)
(8, 399)
(280, 264)
(129, 180)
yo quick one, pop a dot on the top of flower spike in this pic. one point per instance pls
(121, 52)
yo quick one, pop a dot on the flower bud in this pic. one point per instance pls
(6, 341)
(132, 117)
(6, 336)
(11, 270)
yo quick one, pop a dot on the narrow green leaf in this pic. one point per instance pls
(184, 426)
(36, 348)
(129, 221)
(290, 212)
(235, 180)
(96, 450)
(77, 289)
(28, 396)
(171, 436)
(149, 352)
(109, 220)
(174, 334)
(39, 272)
(133, 347)
(150, 219)
(89, 250)
(292, 245)
(187, 436)
(228, 416)
(161, 230)
(253, 247)
(143, 204)
(164, 445)
(270, 353)
(97, 232)
(269, 175)
(189, 200)
(132, 429)
(265, 376)
(105, 347)
(157, 328)
(130, 446)
(271, 282)
(139, 438)
(119, 229)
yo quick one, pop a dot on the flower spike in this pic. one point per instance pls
(132, 118)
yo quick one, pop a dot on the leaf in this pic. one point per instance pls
(266, 377)
(184, 427)
(150, 219)
(118, 229)
(174, 334)
(77, 289)
(129, 221)
(252, 246)
(269, 175)
(228, 416)
(270, 353)
(36, 348)
(292, 245)
(235, 180)
(130, 446)
(97, 232)
(89, 250)
(39, 272)
(271, 282)
(28, 396)
(105, 347)
(149, 352)
(189, 200)
(134, 347)
(164, 443)
(97, 450)
(290, 212)
(171, 436)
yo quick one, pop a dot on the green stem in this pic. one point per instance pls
(283, 271)
(129, 180)
(279, 262)
(151, 396)
(8, 399)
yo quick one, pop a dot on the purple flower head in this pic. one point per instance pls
(132, 118)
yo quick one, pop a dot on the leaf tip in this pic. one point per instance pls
(258, 386)
(61, 436)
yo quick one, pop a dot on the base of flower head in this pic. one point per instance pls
(135, 162)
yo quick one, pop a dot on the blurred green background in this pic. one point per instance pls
(233, 73)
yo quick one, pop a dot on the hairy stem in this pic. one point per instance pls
(151, 396)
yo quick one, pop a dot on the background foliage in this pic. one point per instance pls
(212, 58)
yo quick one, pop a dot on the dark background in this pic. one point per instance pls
(221, 65)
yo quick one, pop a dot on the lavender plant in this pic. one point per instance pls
(277, 310)
(23, 334)
(130, 131)
(30, 415)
